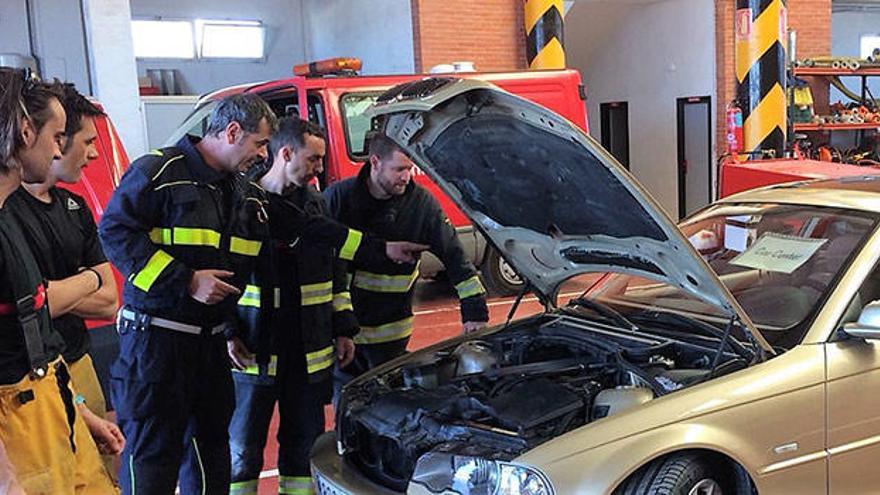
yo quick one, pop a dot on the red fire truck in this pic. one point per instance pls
(332, 95)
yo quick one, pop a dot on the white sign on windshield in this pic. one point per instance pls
(778, 253)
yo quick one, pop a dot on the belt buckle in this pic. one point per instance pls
(142, 322)
(26, 304)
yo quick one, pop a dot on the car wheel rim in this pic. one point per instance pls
(508, 274)
(706, 487)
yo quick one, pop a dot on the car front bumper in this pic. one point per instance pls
(333, 476)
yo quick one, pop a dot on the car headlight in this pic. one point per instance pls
(466, 475)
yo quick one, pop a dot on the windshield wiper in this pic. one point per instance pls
(703, 327)
(604, 310)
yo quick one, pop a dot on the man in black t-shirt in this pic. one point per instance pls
(45, 435)
(61, 233)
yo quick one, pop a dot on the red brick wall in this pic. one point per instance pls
(489, 33)
(810, 18)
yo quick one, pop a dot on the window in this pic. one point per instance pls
(356, 123)
(869, 44)
(229, 39)
(162, 39)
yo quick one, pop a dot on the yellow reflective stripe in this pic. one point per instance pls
(185, 236)
(244, 487)
(342, 301)
(295, 485)
(145, 278)
(385, 333)
(254, 369)
(470, 287)
(319, 360)
(250, 297)
(352, 243)
(377, 282)
(319, 293)
(246, 247)
(165, 165)
(161, 236)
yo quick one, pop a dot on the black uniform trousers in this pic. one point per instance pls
(300, 410)
(167, 386)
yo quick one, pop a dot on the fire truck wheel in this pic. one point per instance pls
(498, 276)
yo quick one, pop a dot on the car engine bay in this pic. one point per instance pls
(503, 393)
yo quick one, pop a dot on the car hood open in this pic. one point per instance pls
(544, 193)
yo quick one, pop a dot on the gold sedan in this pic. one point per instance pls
(737, 353)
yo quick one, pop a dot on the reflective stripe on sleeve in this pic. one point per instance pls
(185, 236)
(342, 301)
(254, 369)
(244, 487)
(252, 297)
(319, 293)
(295, 485)
(319, 360)
(246, 247)
(385, 333)
(378, 282)
(352, 243)
(470, 287)
(157, 263)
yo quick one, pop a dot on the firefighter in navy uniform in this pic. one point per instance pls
(295, 322)
(383, 200)
(185, 227)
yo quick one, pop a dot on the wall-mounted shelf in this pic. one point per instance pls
(828, 71)
(835, 127)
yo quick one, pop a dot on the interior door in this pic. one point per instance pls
(694, 154)
(615, 130)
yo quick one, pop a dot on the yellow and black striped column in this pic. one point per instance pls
(544, 44)
(760, 33)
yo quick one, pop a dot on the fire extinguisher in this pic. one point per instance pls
(734, 129)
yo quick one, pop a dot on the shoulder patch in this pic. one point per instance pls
(72, 205)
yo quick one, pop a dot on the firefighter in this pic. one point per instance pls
(64, 239)
(295, 321)
(383, 200)
(45, 434)
(184, 228)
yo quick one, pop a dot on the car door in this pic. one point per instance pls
(853, 401)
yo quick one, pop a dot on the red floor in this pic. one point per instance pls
(437, 318)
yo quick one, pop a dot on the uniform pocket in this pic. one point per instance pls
(142, 377)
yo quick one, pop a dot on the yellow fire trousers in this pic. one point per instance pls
(47, 442)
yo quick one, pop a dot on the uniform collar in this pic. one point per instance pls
(200, 170)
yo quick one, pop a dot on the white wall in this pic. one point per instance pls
(13, 27)
(113, 72)
(58, 36)
(379, 32)
(285, 40)
(847, 28)
(648, 54)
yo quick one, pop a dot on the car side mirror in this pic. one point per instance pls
(868, 325)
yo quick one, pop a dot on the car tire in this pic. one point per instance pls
(498, 276)
(679, 474)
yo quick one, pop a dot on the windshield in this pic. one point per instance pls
(778, 261)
